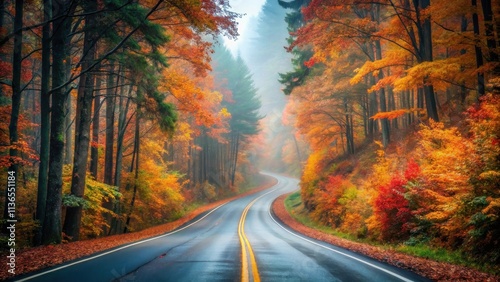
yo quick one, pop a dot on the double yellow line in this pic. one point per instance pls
(246, 249)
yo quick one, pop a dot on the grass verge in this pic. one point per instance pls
(294, 206)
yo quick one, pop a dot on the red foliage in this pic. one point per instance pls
(310, 63)
(412, 171)
(327, 209)
(334, 181)
(26, 73)
(5, 70)
(393, 209)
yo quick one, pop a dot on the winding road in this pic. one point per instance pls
(238, 241)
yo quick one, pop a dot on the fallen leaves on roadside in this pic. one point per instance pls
(437, 271)
(37, 258)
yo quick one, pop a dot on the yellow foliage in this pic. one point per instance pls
(445, 154)
(312, 167)
(435, 72)
(161, 190)
(493, 207)
(95, 194)
(374, 226)
(382, 170)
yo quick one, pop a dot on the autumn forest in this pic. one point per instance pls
(119, 115)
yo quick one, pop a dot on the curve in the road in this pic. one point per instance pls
(237, 241)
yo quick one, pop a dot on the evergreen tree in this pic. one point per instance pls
(297, 76)
(245, 104)
(266, 56)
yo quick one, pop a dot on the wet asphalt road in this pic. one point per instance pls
(210, 249)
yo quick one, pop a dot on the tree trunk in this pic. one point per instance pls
(122, 127)
(94, 149)
(373, 105)
(235, 157)
(3, 56)
(110, 133)
(16, 99)
(426, 39)
(110, 140)
(365, 106)
(479, 52)
(68, 125)
(134, 193)
(44, 122)
(348, 128)
(73, 217)
(391, 103)
(383, 103)
(463, 90)
(116, 224)
(490, 34)
(60, 53)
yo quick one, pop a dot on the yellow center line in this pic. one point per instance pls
(245, 246)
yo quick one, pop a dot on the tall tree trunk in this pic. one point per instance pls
(136, 177)
(122, 126)
(463, 90)
(72, 221)
(68, 125)
(3, 56)
(16, 98)
(60, 53)
(430, 96)
(235, 160)
(490, 34)
(423, 50)
(392, 105)
(479, 52)
(348, 128)
(365, 106)
(110, 140)
(373, 104)
(110, 126)
(44, 122)
(383, 103)
(94, 149)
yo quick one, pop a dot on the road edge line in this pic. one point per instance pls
(120, 248)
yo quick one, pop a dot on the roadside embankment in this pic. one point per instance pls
(437, 271)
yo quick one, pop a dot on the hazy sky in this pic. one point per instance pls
(250, 9)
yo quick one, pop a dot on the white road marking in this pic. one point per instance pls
(120, 248)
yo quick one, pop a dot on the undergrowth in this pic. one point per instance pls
(295, 207)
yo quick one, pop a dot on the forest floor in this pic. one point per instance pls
(437, 271)
(37, 258)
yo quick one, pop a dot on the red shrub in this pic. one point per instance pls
(393, 210)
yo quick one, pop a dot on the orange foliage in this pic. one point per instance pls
(394, 114)
(27, 154)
